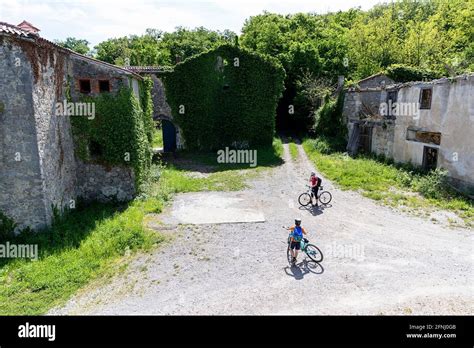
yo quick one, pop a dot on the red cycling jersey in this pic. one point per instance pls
(314, 180)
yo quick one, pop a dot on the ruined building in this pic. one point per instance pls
(428, 124)
(39, 170)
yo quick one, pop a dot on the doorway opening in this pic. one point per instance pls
(169, 136)
(430, 157)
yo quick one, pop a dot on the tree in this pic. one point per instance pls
(159, 48)
(77, 45)
(184, 43)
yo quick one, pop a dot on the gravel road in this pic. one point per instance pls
(376, 261)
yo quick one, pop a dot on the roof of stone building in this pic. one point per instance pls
(372, 76)
(13, 29)
(27, 26)
(10, 29)
(442, 80)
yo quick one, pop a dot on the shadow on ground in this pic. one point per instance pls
(299, 270)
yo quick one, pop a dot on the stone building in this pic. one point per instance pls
(429, 124)
(39, 171)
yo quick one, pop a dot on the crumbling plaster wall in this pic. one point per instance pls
(363, 107)
(451, 114)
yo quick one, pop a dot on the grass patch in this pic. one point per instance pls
(157, 140)
(387, 182)
(293, 150)
(269, 156)
(77, 248)
(175, 180)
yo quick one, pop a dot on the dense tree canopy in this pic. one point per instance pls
(77, 45)
(422, 38)
(158, 48)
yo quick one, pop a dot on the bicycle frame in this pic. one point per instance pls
(304, 242)
(310, 191)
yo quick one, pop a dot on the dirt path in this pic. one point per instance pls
(376, 262)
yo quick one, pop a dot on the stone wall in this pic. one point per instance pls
(377, 80)
(54, 137)
(38, 167)
(162, 110)
(104, 184)
(383, 138)
(84, 68)
(21, 184)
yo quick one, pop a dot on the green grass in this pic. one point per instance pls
(157, 138)
(76, 249)
(388, 183)
(174, 180)
(293, 150)
(266, 157)
(91, 241)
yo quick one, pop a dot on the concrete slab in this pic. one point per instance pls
(213, 208)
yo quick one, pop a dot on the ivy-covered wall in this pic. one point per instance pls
(225, 96)
(121, 131)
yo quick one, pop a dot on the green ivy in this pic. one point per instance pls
(121, 129)
(225, 103)
(329, 121)
(146, 101)
(405, 73)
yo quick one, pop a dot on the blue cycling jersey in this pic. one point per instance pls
(297, 233)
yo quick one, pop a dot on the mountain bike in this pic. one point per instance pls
(311, 250)
(306, 198)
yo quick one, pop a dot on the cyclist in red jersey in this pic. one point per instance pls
(315, 184)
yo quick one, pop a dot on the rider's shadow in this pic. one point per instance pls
(315, 211)
(299, 270)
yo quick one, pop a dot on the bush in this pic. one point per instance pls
(432, 185)
(217, 104)
(328, 118)
(7, 228)
(405, 73)
(327, 145)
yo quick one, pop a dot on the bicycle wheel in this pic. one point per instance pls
(288, 255)
(325, 197)
(314, 253)
(304, 199)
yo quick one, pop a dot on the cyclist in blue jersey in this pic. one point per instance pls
(296, 236)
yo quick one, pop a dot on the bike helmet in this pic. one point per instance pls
(313, 173)
(297, 222)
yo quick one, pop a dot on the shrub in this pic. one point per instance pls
(432, 185)
(327, 145)
(7, 228)
(405, 73)
(328, 118)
